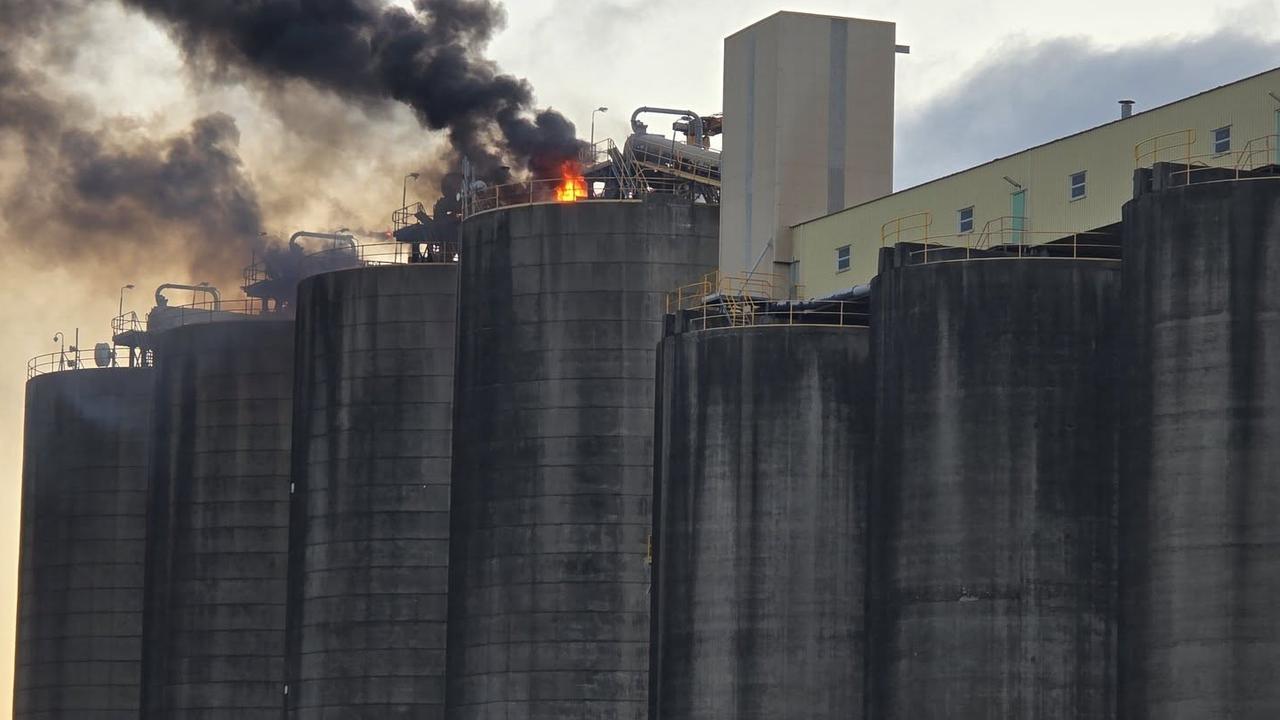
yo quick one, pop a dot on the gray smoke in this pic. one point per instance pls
(365, 50)
(93, 191)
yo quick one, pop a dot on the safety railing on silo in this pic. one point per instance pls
(300, 265)
(100, 357)
(168, 317)
(916, 228)
(1177, 145)
(579, 190)
(724, 301)
(1255, 161)
(1259, 159)
(998, 243)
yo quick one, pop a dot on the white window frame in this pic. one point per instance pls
(960, 220)
(1083, 185)
(1214, 139)
(847, 258)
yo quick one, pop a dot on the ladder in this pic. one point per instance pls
(626, 173)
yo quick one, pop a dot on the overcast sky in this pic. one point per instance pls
(984, 78)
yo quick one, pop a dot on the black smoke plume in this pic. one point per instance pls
(429, 59)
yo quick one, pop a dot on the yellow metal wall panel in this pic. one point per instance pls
(1105, 153)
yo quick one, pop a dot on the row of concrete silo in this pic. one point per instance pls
(1020, 487)
(1036, 487)
(290, 488)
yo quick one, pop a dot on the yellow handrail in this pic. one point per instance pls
(1016, 224)
(1148, 151)
(1268, 146)
(921, 221)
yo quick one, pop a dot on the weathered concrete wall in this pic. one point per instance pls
(216, 565)
(764, 446)
(1200, 512)
(83, 536)
(992, 508)
(560, 312)
(369, 546)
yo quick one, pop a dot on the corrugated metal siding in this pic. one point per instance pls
(1105, 153)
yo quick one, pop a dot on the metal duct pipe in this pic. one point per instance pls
(857, 292)
(336, 237)
(695, 120)
(207, 289)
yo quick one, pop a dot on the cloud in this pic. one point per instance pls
(1027, 93)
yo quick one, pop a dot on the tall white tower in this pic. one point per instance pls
(808, 130)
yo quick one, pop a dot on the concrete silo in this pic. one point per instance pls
(218, 543)
(764, 443)
(370, 523)
(1200, 502)
(560, 312)
(83, 537)
(992, 505)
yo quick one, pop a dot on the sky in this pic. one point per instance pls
(983, 79)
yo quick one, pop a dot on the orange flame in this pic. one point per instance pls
(573, 186)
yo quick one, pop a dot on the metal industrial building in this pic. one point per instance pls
(698, 435)
(1069, 186)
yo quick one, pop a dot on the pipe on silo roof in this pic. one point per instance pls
(208, 289)
(336, 237)
(695, 120)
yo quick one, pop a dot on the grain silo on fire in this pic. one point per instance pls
(560, 311)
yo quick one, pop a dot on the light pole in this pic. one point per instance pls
(120, 329)
(404, 195)
(122, 290)
(593, 127)
(62, 350)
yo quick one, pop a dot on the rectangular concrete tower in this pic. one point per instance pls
(808, 130)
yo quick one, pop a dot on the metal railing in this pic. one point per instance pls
(719, 300)
(995, 243)
(550, 191)
(830, 313)
(201, 313)
(407, 215)
(76, 359)
(679, 159)
(596, 154)
(127, 323)
(382, 253)
(306, 264)
(715, 285)
(1239, 164)
(1004, 230)
(920, 221)
(1150, 150)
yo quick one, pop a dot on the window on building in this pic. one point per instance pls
(1222, 139)
(966, 219)
(842, 258)
(1077, 185)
